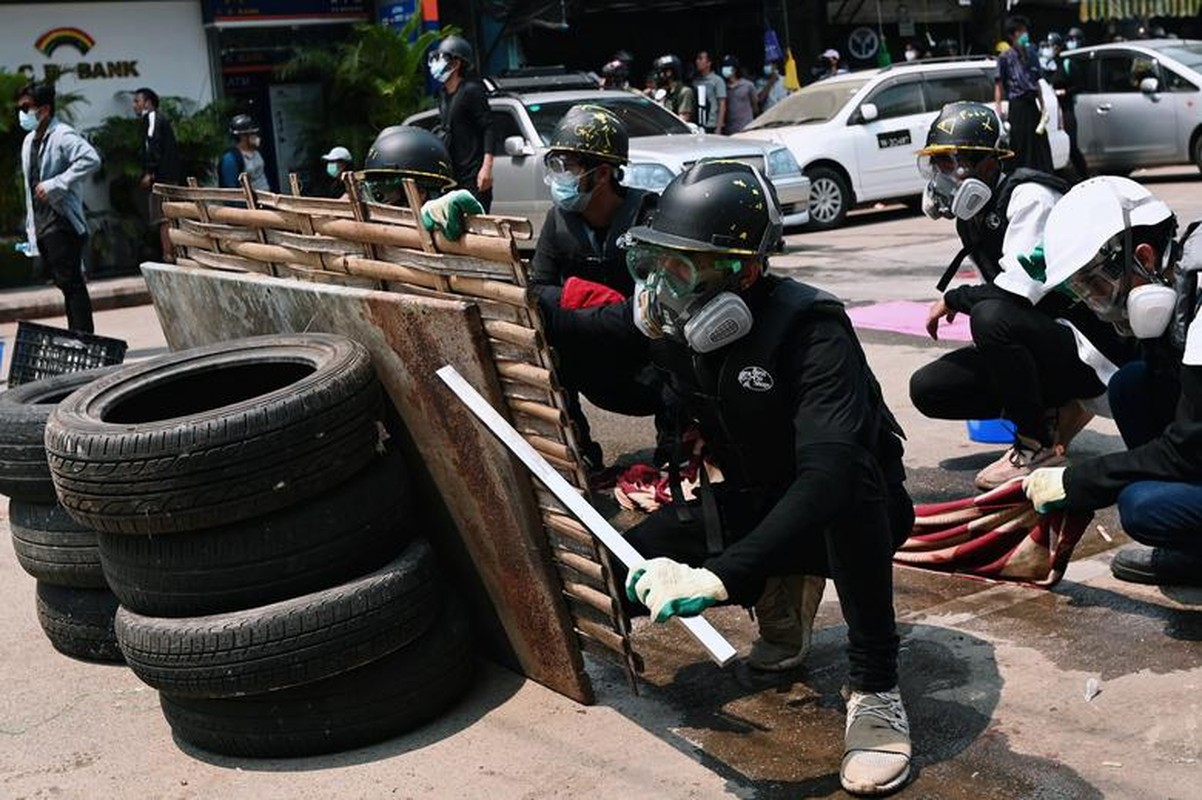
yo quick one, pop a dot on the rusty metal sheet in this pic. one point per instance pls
(484, 520)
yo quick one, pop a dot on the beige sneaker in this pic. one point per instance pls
(876, 745)
(785, 614)
(1019, 461)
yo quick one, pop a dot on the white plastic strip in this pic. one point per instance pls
(715, 644)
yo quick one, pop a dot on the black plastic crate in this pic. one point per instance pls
(41, 351)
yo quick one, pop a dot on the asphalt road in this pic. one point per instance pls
(994, 676)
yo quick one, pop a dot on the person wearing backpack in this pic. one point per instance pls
(243, 156)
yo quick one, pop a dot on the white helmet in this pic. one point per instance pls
(1087, 219)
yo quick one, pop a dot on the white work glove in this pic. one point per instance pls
(447, 213)
(1045, 488)
(669, 588)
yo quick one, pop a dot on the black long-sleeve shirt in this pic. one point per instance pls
(160, 154)
(1176, 455)
(467, 129)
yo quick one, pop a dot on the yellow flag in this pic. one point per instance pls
(791, 82)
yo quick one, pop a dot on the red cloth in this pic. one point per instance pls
(997, 535)
(579, 293)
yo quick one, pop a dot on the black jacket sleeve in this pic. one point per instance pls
(1176, 455)
(836, 408)
(963, 298)
(477, 107)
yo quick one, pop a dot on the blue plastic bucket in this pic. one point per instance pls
(991, 431)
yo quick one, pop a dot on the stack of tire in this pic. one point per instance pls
(74, 605)
(259, 532)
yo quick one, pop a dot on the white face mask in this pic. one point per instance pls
(255, 141)
(911, 55)
(28, 120)
(728, 72)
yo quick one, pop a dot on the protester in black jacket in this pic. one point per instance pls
(1110, 242)
(772, 373)
(465, 120)
(579, 273)
(160, 162)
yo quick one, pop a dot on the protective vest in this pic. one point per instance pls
(982, 236)
(599, 261)
(744, 403)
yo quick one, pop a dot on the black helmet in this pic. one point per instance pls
(966, 126)
(1055, 39)
(1076, 33)
(616, 70)
(716, 206)
(409, 152)
(243, 124)
(458, 47)
(593, 132)
(730, 60)
(668, 62)
(624, 56)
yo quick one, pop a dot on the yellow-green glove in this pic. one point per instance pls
(1045, 488)
(669, 588)
(446, 213)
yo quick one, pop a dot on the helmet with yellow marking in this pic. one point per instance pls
(966, 127)
(591, 132)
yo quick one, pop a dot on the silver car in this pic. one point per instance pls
(661, 146)
(1139, 104)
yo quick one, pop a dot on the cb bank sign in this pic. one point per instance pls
(60, 42)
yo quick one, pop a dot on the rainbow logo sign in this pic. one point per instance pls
(55, 38)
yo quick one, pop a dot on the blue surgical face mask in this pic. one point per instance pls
(440, 70)
(769, 69)
(333, 170)
(566, 194)
(1071, 44)
(728, 72)
(28, 120)
(1023, 39)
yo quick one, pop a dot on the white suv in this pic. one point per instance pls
(856, 135)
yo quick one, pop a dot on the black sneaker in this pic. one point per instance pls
(1158, 566)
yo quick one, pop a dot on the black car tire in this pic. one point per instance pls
(53, 547)
(24, 409)
(289, 643)
(382, 699)
(348, 531)
(217, 434)
(79, 622)
(830, 198)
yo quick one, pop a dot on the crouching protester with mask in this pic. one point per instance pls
(771, 372)
(1110, 244)
(579, 274)
(403, 152)
(1035, 356)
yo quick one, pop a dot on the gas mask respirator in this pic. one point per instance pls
(952, 193)
(675, 298)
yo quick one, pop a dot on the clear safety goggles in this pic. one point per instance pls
(561, 168)
(678, 271)
(951, 165)
(435, 57)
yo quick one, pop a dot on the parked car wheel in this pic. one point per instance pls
(385, 698)
(79, 622)
(348, 531)
(289, 643)
(830, 197)
(53, 547)
(217, 434)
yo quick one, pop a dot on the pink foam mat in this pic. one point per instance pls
(908, 317)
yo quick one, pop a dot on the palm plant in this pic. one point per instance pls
(372, 80)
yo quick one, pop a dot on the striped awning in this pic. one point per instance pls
(1102, 10)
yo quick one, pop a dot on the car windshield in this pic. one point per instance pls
(817, 102)
(1189, 54)
(640, 115)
